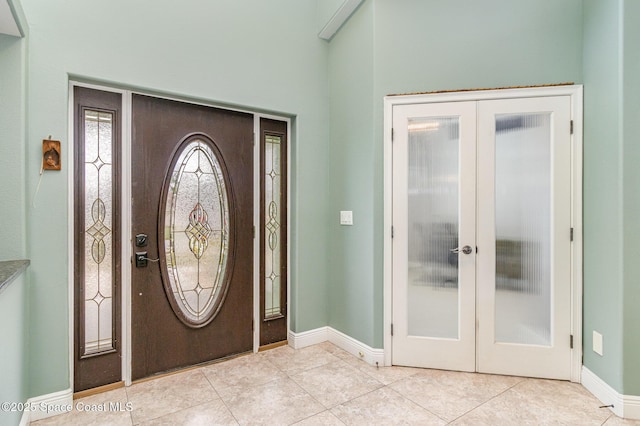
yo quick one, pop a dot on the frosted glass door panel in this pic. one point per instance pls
(433, 206)
(523, 226)
(524, 194)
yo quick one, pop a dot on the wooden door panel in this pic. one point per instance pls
(160, 340)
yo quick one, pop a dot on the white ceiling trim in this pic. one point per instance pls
(338, 19)
(8, 24)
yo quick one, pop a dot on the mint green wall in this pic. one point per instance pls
(420, 45)
(12, 152)
(611, 197)
(631, 177)
(217, 51)
(14, 320)
(13, 356)
(351, 255)
(257, 54)
(603, 195)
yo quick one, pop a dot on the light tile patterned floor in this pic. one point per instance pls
(324, 385)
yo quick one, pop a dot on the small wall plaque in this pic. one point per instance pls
(51, 155)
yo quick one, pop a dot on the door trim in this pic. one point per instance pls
(125, 211)
(575, 93)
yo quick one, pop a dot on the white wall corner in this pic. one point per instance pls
(626, 406)
(338, 19)
(307, 338)
(631, 407)
(42, 407)
(356, 348)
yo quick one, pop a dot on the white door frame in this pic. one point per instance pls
(575, 92)
(126, 224)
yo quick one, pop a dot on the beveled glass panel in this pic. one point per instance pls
(196, 232)
(98, 209)
(273, 231)
(433, 205)
(523, 228)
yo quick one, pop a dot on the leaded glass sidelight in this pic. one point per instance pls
(98, 232)
(196, 233)
(273, 221)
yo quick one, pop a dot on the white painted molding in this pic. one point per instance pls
(338, 19)
(9, 23)
(329, 334)
(626, 406)
(42, 407)
(308, 338)
(356, 348)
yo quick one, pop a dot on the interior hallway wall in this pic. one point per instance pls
(254, 54)
(14, 306)
(415, 46)
(603, 198)
(13, 53)
(611, 197)
(631, 132)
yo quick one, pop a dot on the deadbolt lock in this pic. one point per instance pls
(141, 240)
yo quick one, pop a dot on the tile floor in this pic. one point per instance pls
(324, 385)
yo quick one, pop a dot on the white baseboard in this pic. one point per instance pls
(41, 407)
(355, 347)
(626, 406)
(308, 338)
(341, 340)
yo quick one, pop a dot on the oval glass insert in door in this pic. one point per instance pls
(195, 229)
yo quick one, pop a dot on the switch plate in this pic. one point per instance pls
(346, 217)
(597, 342)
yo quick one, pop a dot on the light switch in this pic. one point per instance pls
(346, 217)
(597, 342)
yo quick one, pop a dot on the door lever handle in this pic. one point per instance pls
(142, 259)
(465, 250)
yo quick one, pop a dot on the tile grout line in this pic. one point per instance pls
(126, 392)
(408, 398)
(338, 359)
(290, 377)
(523, 379)
(221, 399)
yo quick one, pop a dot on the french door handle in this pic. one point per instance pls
(465, 250)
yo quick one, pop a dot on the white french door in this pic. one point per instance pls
(434, 167)
(481, 251)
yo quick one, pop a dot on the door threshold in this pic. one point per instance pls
(272, 345)
(189, 368)
(99, 389)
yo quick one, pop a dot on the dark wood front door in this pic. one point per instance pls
(192, 214)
